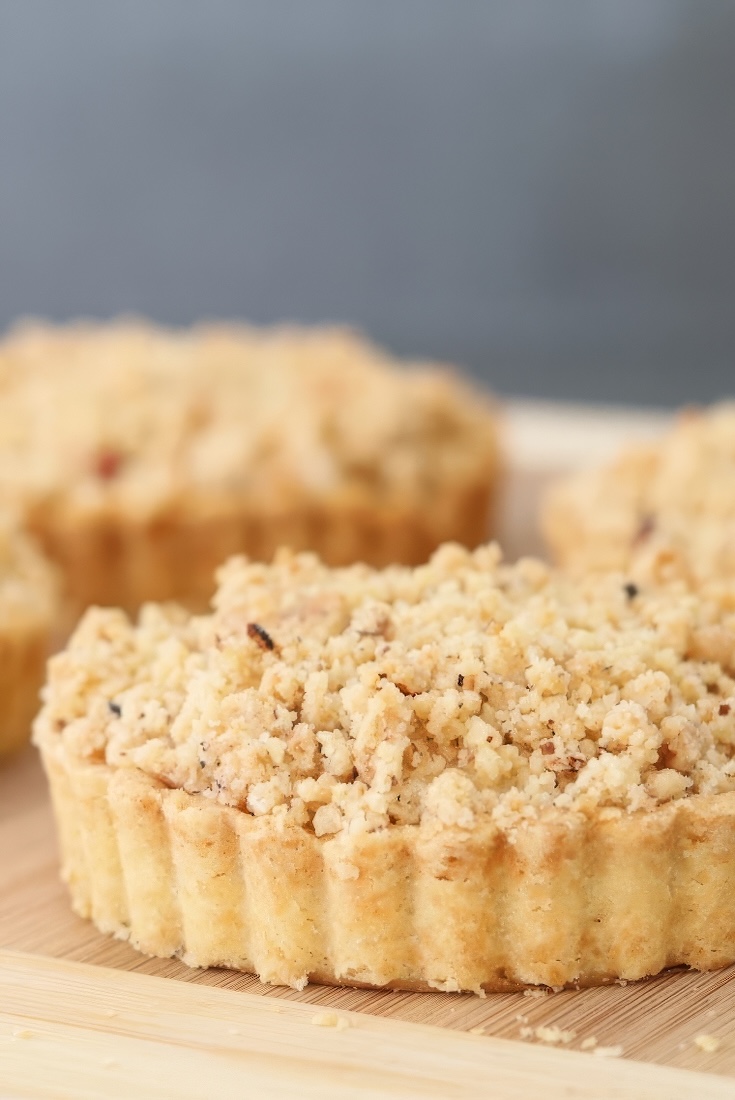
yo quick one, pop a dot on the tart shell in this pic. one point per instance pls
(23, 652)
(565, 900)
(112, 559)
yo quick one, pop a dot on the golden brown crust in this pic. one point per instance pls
(169, 451)
(28, 608)
(175, 556)
(566, 901)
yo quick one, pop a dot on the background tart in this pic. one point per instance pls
(28, 608)
(461, 776)
(141, 458)
(673, 498)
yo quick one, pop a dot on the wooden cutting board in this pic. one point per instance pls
(76, 1030)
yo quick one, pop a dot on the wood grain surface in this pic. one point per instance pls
(69, 1030)
(654, 1021)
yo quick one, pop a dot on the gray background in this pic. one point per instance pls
(543, 190)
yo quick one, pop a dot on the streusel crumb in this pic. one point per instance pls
(134, 418)
(351, 699)
(669, 504)
(708, 1043)
(551, 1035)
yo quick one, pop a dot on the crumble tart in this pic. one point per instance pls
(28, 608)
(141, 458)
(674, 497)
(467, 775)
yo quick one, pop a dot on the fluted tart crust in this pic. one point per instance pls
(28, 609)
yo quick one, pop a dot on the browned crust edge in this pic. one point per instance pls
(23, 652)
(117, 560)
(566, 901)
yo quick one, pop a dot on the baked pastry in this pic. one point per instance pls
(461, 776)
(141, 458)
(674, 496)
(28, 608)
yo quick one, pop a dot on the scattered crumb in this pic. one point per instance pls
(521, 1018)
(608, 1052)
(109, 1012)
(23, 1033)
(552, 1034)
(535, 992)
(232, 1031)
(621, 981)
(330, 1019)
(708, 1043)
(589, 1043)
(476, 1031)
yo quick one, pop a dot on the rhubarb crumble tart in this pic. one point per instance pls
(141, 458)
(675, 495)
(462, 776)
(28, 608)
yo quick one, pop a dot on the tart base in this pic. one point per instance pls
(560, 901)
(23, 655)
(113, 560)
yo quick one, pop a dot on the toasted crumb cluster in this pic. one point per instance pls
(676, 495)
(352, 699)
(129, 417)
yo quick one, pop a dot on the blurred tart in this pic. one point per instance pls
(141, 458)
(672, 499)
(28, 607)
(461, 776)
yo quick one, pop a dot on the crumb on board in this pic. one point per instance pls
(23, 1033)
(589, 1043)
(535, 992)
(707, 1043)
(608, 1052)
(550, 1034)
(109, 1012)
(330, 1019)
(477, 1031)
(521, 1018)
(232, 1031)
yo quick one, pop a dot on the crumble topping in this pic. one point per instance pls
(126, 415)
(677, 494)
(461, 690)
